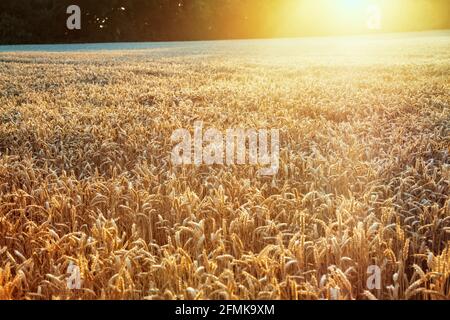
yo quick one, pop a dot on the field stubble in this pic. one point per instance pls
(86, 177)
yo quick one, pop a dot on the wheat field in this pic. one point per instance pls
(86, 176)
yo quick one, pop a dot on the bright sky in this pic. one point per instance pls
(358, 16)
(339, 16)
(353, 9)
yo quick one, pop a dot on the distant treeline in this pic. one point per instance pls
(44, 21)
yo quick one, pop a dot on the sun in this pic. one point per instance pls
(351, 4)
(369, 9)
(332, 16)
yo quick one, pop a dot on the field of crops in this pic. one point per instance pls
(86, 178)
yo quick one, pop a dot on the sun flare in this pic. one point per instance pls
(358, 10)
(354, 3)
(333, 16)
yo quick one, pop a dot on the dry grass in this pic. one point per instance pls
(85, 174)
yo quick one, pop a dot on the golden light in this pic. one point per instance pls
(332, 16)
(351, 4)
(293, 18)
(350, 14)
(373, 17)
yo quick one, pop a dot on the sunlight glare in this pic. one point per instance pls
(351, 4)
(332, 17)
(373, 17)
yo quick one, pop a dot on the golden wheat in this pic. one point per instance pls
(86, 177)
